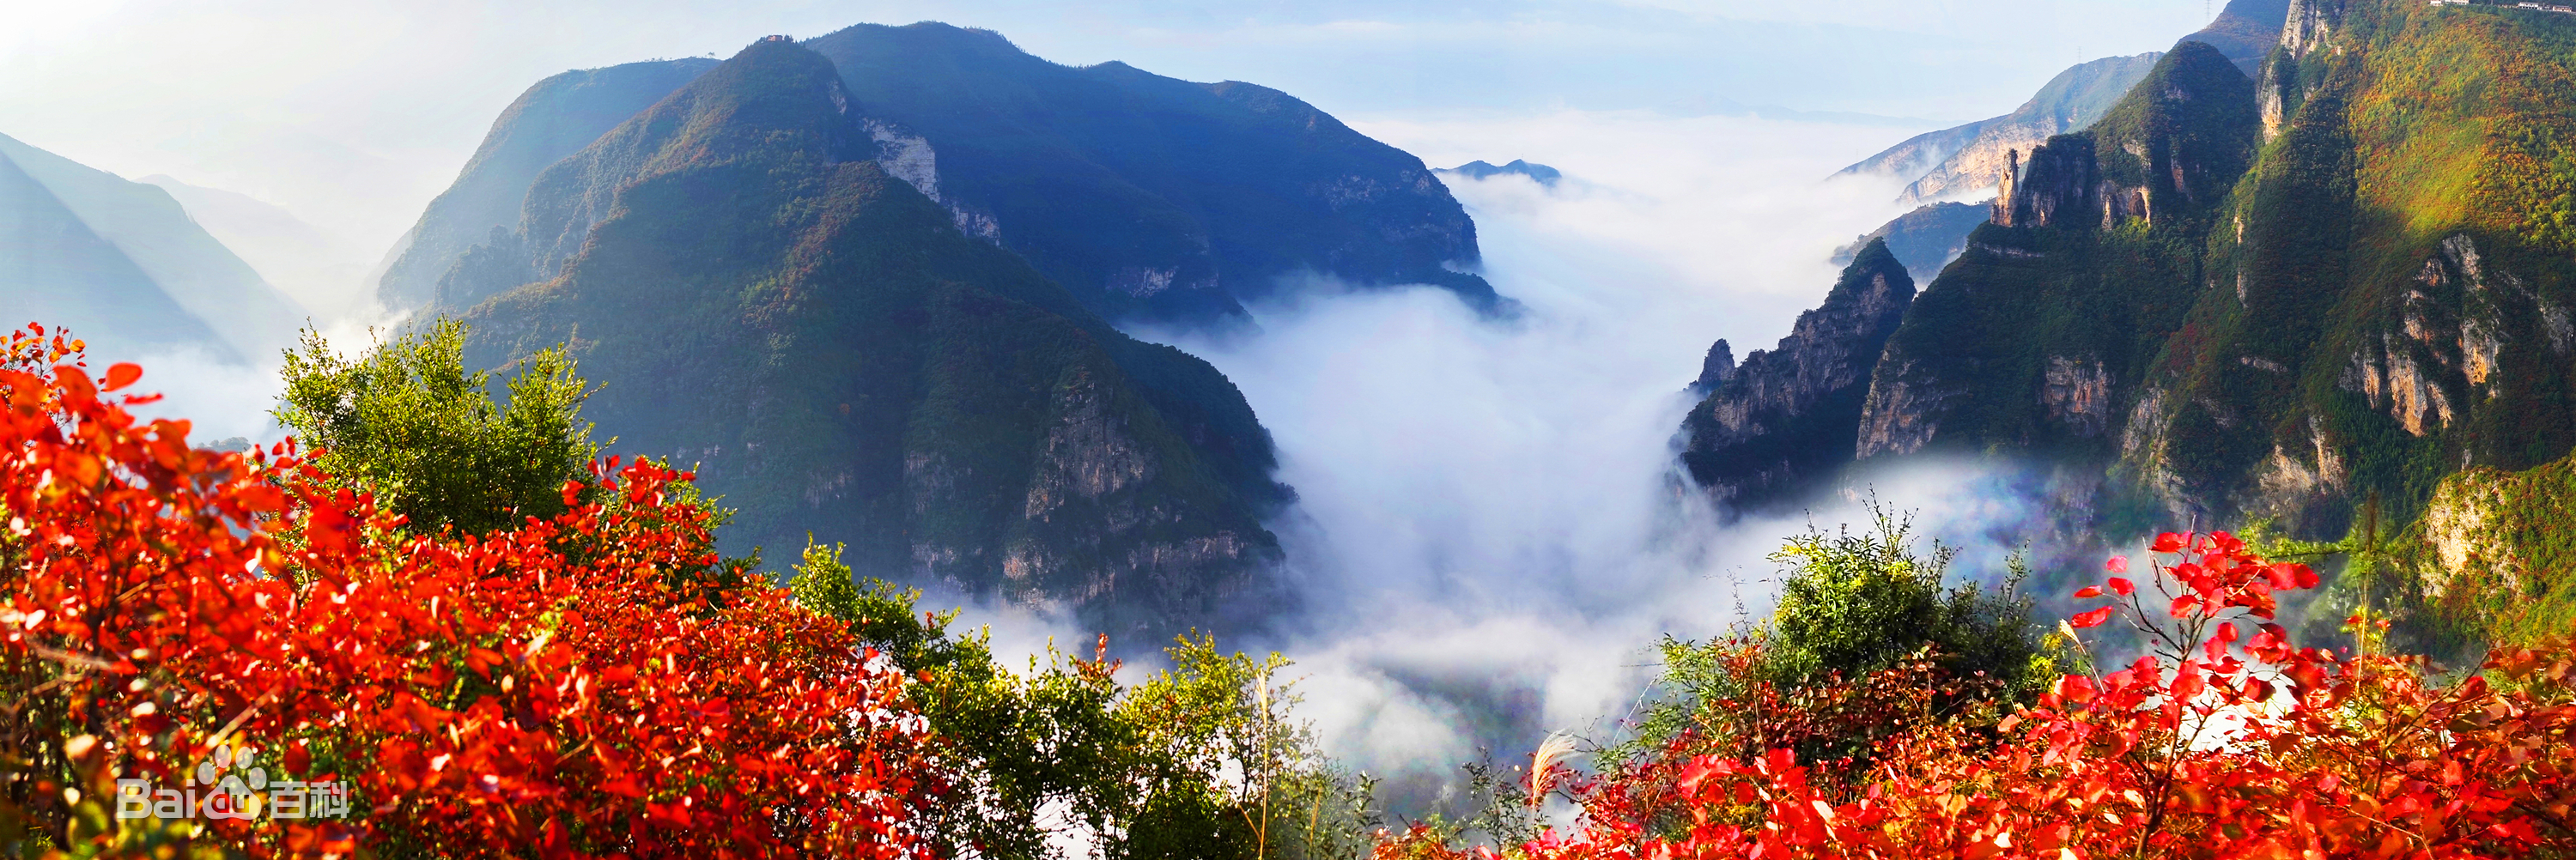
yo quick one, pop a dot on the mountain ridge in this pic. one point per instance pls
(757, 294)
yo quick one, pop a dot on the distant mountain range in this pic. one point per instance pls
(124, 267)
(321, 270)
(1964, 161)
(1925, 240)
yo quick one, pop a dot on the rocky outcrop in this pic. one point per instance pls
(2460, 527)
(1714, 370)
(1899, 416)
(2311, 24)
(2059, 186)
(1786, 416)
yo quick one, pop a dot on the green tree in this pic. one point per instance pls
(408, 422)
(1195, 761)
(1867, 638)
(1857, 603)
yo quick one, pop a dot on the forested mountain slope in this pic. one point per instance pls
(755, 294)
(2280, 298)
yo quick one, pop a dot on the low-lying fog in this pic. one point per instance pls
(1492, 533)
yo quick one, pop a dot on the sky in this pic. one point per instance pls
(353, 113)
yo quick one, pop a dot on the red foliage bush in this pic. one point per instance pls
(2225, 742)
(570, 688)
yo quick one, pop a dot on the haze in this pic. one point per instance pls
(354, 114)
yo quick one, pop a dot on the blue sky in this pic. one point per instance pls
(355, 112)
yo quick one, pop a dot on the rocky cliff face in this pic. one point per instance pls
(758, 293)
(1784, 418)
(2488, 561)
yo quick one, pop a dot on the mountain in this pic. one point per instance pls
(1788, 416)
(319, 269)
(553, 119)
(2245, 31)
(2088, 258)
(1963, 161)
(756, 292)
(1925, 239)
(2491, 559)
(1539, 173)
(1151, 199)
(2331, 298)
(123, 266)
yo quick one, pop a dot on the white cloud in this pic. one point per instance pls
(1491, 528)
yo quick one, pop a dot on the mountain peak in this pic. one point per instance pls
(1540, 173)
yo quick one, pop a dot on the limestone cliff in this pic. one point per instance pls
(2489, 560)
(1785, 417)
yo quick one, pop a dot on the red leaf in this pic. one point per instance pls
(122, 374)
(2122, 587)
(2117, 564)
(2088, 592)
(2091, 619)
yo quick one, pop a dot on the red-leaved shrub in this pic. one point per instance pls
(577, 687)
(2225, 742)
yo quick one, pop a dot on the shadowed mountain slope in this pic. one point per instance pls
(1146, 196)
(756, 294)
(555, 118)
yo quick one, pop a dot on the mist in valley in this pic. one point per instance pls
(1492, 531)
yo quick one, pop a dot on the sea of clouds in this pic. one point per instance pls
(1492, 532)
